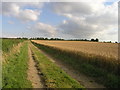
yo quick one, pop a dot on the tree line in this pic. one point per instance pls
(42, 38)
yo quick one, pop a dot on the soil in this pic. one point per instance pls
(33, 73)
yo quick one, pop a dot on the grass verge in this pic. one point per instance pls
(15, 71)
(53, 75)
(7, 44)
(100, 68)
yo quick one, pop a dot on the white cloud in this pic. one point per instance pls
(66, 8)
(44, 29)
(88, 20)
(78, 28)
(28, 15)
(9, 9)
(16, 10)
(33, 4)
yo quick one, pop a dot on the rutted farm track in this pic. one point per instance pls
(81, 78)
(51, 75)
(33, 73)
(84, 80)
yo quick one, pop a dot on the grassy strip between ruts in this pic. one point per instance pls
(85, 64)
(15, 71)
(53, 75)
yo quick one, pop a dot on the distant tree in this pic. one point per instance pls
(92, 40)
(85, 40)
(46, 38)
(97, 40)
(51, 38)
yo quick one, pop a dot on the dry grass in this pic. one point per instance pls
(96, 48)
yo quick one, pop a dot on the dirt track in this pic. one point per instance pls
(33, 75)
(84, 80)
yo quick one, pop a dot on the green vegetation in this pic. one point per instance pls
(0, 44)
(59, 39)
(15, 70)
(105, 71)
(7, 44)
(41, 38)
(0, 62)
(53, 75)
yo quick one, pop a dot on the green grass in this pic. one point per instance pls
(0, 63)
(0, 44)
(53, 75)
(15, 71)
(104, 72)
(7, 44)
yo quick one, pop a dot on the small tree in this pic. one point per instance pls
(92, 40)
(97, 40)
(46, 38)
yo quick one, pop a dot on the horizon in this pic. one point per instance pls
(73, 39)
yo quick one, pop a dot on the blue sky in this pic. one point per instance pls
(64, 20)
(108, 3)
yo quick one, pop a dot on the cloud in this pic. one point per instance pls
(66, 8)
(78, 28)
(93, 19)
(17, 10)
(108, 15)
(10, 9)
(88, 20)
(33, 4)
(43, 29)
(28, 15)
(77, 8)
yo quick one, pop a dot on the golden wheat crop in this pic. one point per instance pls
(96, 48)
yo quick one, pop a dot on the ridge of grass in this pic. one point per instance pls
(53, 75)
(106, 74)
(15, 71)
(7, 44)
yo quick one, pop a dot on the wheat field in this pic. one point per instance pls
(96, 48)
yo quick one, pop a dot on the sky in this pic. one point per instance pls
(68, 20)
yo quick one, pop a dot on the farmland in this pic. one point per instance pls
(97, 48)
(54, 76)
(99, 61)
(59, 64)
